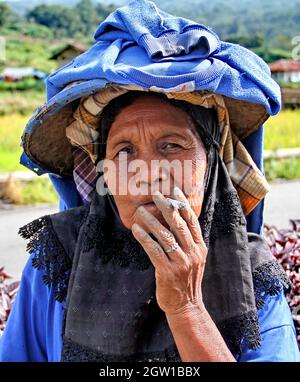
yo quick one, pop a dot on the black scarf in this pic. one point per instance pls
(96, 265)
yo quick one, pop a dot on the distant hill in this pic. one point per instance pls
(187, 6)
(275, 21)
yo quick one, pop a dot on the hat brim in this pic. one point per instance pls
(46, 144)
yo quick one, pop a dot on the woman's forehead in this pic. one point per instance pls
(151, 112)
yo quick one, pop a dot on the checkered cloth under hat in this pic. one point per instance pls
(84, 174)
(248, 180)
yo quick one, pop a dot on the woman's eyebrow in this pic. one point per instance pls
(182, 135)
(118, 142)
(120, 138)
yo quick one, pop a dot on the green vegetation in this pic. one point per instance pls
(27, 51)
(271, 55)
(289, 84)
(282, 131)
(54, 21)
(11, 128)
(274, 22)
(288, 168)
(23, 103)
(39, 190)
(22, 85)
(266, 26)
(28, 29)
(31, 38)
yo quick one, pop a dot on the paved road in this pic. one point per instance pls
(282, 203)
(12, 247)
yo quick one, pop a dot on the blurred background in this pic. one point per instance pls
(37, 37)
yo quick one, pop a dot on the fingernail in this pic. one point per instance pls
(177, 191)
(157, 193)
(138, 230)
(136, 227)
(142, 209)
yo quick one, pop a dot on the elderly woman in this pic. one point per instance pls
(156, 264)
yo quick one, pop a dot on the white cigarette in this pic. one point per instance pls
(177, 203)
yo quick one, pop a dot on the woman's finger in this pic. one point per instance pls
(166, 239)
(176, 223)
(151, 247)
(189, 216)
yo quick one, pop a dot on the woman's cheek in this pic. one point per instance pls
(191, 176)
(124, 200)
(116, 180)
(110, 175)
(193, 180)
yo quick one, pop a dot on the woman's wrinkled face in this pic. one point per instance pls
(152, 145)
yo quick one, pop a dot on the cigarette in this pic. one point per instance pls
(177, 203)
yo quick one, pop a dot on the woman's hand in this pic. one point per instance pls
(178, 273)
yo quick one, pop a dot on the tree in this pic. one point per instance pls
(7, 16)
(87, 15)
(253, 41)
(62, 20)
(102, 11)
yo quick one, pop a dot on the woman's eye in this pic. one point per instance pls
(126, 150)
(171, 146)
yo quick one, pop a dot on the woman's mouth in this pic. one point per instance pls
(150, 206)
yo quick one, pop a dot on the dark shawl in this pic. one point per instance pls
(107, 280)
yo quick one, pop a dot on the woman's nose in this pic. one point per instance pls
(153, 173)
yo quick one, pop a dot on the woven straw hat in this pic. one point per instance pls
(46, 144)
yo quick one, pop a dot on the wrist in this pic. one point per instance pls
(187, 312)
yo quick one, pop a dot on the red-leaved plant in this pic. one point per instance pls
(8, 292)
(285, 246)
